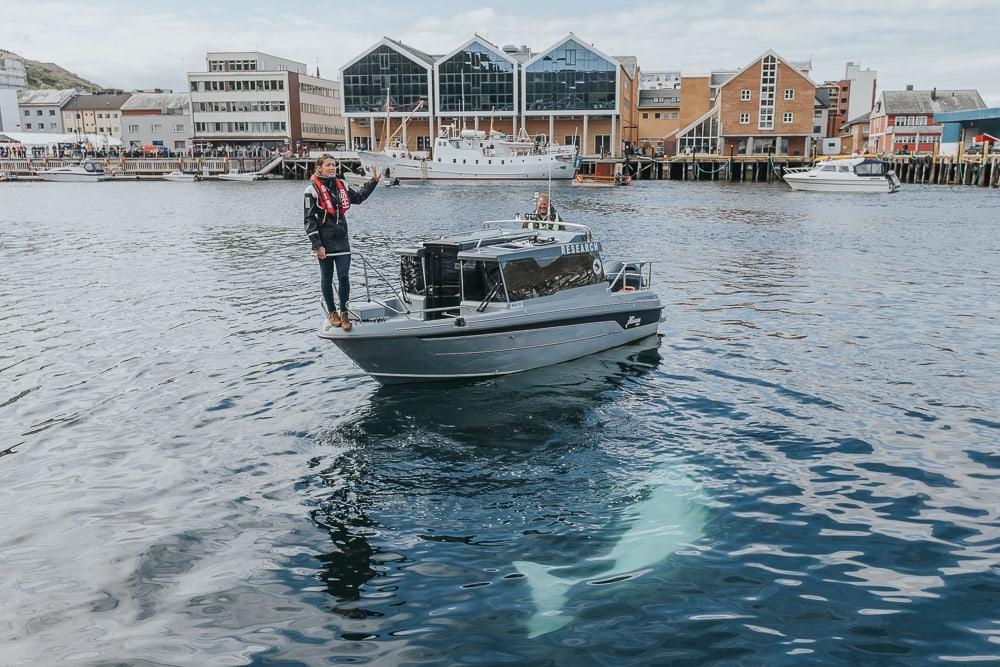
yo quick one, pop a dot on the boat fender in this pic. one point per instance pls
(459, 321)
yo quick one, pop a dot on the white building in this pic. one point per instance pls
(41, 110)
(13, 77)
(861, 98)
(660, 80)
(157, 119)
(252, 98)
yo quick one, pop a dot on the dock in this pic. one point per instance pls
(977, 171)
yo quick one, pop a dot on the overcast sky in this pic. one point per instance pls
(934, 43)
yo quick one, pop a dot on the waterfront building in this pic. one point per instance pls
(659, 115)
(854, 134)
(850, 97)
(575, 92)
(248, 98)
(570, 92)
(965, 132)
(157, 119)
(99, 113)
(903, 120)
(660, 80)
(42, 110)
(13, 77)
(391, 72)
(766, 107)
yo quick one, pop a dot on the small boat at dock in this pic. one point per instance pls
(86, 171)
(512, 296)
(856, 174)
(180, 177)
(606, 175)
(242, 176)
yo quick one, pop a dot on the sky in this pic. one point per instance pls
(131, 45)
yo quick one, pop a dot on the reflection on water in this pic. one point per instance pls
(802, 469)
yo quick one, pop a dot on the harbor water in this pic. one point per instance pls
(803, 468)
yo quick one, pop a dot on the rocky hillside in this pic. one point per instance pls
(49, 75)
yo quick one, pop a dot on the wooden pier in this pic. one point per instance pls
(915, 169)
(976, 171)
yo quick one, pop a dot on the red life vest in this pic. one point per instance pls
(326, 200)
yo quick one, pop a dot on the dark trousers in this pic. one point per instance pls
(326, 266)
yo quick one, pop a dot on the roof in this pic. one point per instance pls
(46, 97)
(823, 97)
(930, 101)
(482, 41)
(97, 102)
(795, 67)
(863, 118)
(992, 113)
(427, 58)
(721, 76)
(630, 63)
(582, 42)
(659, 98)
(160, 101)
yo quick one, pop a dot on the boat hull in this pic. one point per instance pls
(535, 167)
(808, 183)
(441, 350)
(74, 178)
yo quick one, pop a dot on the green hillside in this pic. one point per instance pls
(49, 75)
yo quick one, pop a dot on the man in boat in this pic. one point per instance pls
(545, 212)
(327, 199)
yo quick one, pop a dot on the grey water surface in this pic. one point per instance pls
(803, 469)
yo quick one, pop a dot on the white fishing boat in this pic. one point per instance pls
(470, 155)
(475, 155)
(87, 171)
(856, 174)
(180, 177)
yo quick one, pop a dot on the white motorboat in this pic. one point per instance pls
(244, 176)
(513, 296)
(856, 174)
(5, 176)
(180, 177)
(475, 155)
(88, 171)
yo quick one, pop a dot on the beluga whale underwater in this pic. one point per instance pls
(667, 519)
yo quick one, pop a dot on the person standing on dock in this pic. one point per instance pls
(327, 199)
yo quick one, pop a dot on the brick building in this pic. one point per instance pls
(903, 120)
(765, 107)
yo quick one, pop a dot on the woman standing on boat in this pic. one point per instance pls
(327, 199)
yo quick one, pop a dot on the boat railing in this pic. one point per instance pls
(399, 295)
(561, 225)
(632, 277)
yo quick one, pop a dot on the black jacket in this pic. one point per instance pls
(321, 227)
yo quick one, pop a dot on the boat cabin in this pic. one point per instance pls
(499, 268)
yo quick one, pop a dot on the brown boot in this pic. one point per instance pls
(345, 321)
(334, 318)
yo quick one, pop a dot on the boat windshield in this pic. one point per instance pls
(528, 278)
(870, 168)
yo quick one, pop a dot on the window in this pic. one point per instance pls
(179, 127)
(744, 119)
(365, 82)
(28, 125)
(786, 117)
(745, 95)
(570, 77)
(133, 128)
(27, 112)
(52, 112)
(38, 112)
(789, 93)
(675, 114)
(602, 144)
(817, 129)
(645, 115)
(475, 79)
(656, 115)
(768, 79)
(156, 128)
(525, 279)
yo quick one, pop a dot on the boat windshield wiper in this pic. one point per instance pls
(497, 286)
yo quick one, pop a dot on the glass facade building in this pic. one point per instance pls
(366, 81)
(570, 77)
(476, 79)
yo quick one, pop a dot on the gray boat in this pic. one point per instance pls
(513, 296)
